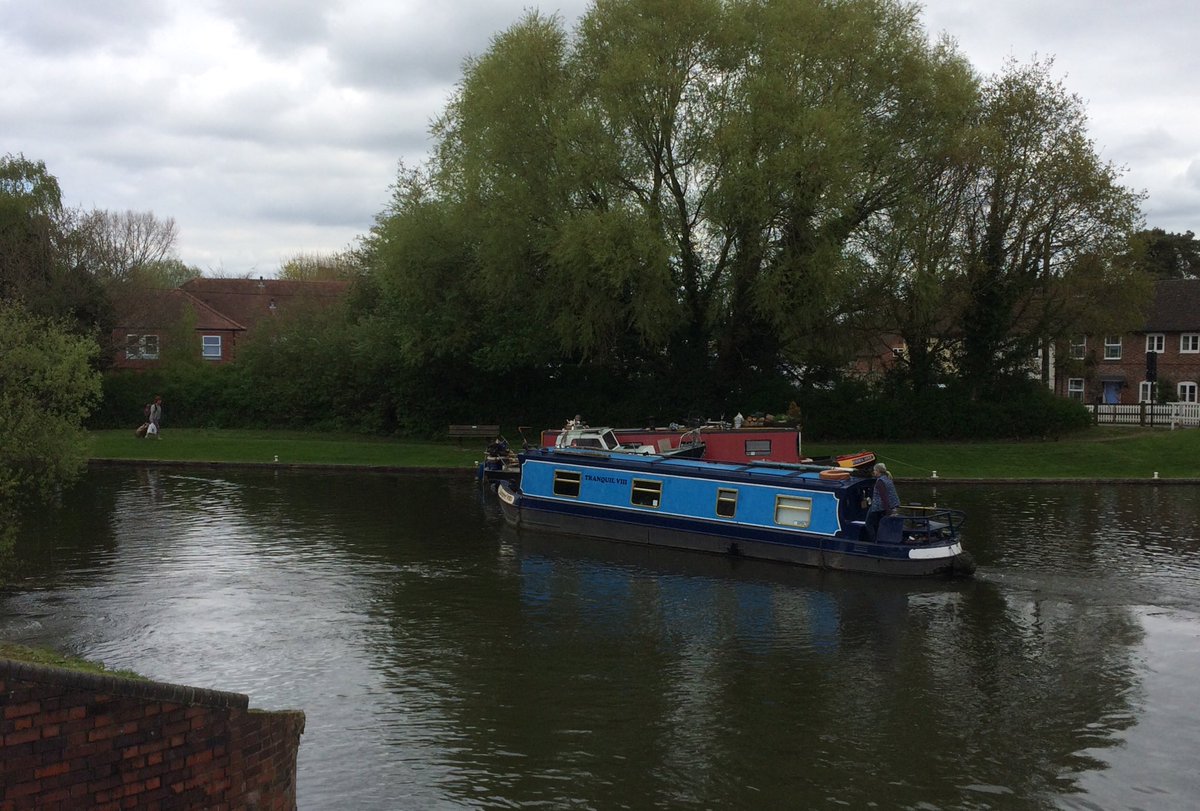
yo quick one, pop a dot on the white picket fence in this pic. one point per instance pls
(1173, 415)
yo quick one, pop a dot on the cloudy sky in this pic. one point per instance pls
(268, 128)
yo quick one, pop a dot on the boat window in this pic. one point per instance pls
(758, 447)
(726, 502)
(566, 483)
(646, 493)
(793, 511)
(587, 442)
(610, 441)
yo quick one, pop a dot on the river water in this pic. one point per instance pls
(445, 661)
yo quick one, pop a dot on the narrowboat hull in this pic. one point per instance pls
(837, 547)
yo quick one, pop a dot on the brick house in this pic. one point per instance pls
(151, 322)
(211, 314)
(1123, 368)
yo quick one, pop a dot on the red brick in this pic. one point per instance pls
(199, 758)
(22, 789)
(19, 710)
(103, 733)
(59, 795)
(53, 769)
(24, 736)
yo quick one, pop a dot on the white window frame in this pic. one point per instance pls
(137, 347)
(207, 344)
(1112, 347)
(1189, 342)
(1078, 349)
(1146, 392)
(1156, 342)
(1187, 391)
(1075, 388)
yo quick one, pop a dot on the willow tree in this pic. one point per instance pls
(680, 184)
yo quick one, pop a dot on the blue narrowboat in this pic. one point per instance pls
(799, 514)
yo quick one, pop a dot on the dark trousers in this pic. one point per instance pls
(871, 527)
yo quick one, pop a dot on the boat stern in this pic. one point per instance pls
(510, 502)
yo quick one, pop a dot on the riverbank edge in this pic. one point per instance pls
(471, 471)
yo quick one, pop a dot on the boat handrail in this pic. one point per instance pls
(920, 518)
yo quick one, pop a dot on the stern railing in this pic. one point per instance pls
(914, 523)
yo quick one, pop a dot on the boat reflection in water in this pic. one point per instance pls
(757, 606)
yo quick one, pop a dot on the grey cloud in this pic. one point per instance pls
(301, 156)
(64, 27)
(280, 27)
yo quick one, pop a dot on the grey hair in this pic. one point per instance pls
(881, 469)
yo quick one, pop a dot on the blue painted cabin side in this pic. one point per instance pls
(741, 495)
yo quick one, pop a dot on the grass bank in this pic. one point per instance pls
(285, 447)
(49, 658)
(1105, 452)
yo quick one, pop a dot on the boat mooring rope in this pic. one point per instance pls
(902, 462)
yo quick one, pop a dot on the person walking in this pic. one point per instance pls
(884, 501)
(155, 416)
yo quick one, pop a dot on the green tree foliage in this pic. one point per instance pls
(47, 388)
(1166, 255)
(167, 273)
(319, 267)
(677, 190)
(68, 264)
(319, 367)
(30, 215)
(35, 255)
(1045, 226)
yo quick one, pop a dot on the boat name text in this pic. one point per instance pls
(605, 479)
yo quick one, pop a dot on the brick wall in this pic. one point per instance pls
(78, 740)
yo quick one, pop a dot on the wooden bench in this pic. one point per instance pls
(461, 432)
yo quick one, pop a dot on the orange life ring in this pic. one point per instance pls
(835, 473)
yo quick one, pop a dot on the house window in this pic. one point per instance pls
(1075, 388)
(141, 347)
(1155, 342)
(566, 483)
(726, 503)
(1112, 347)
(646, 493)
(1187, 392)
(1189, 342)
(793, 511)
(1079, 348)
(758, 447)
(1146, 392)
(210, 347)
